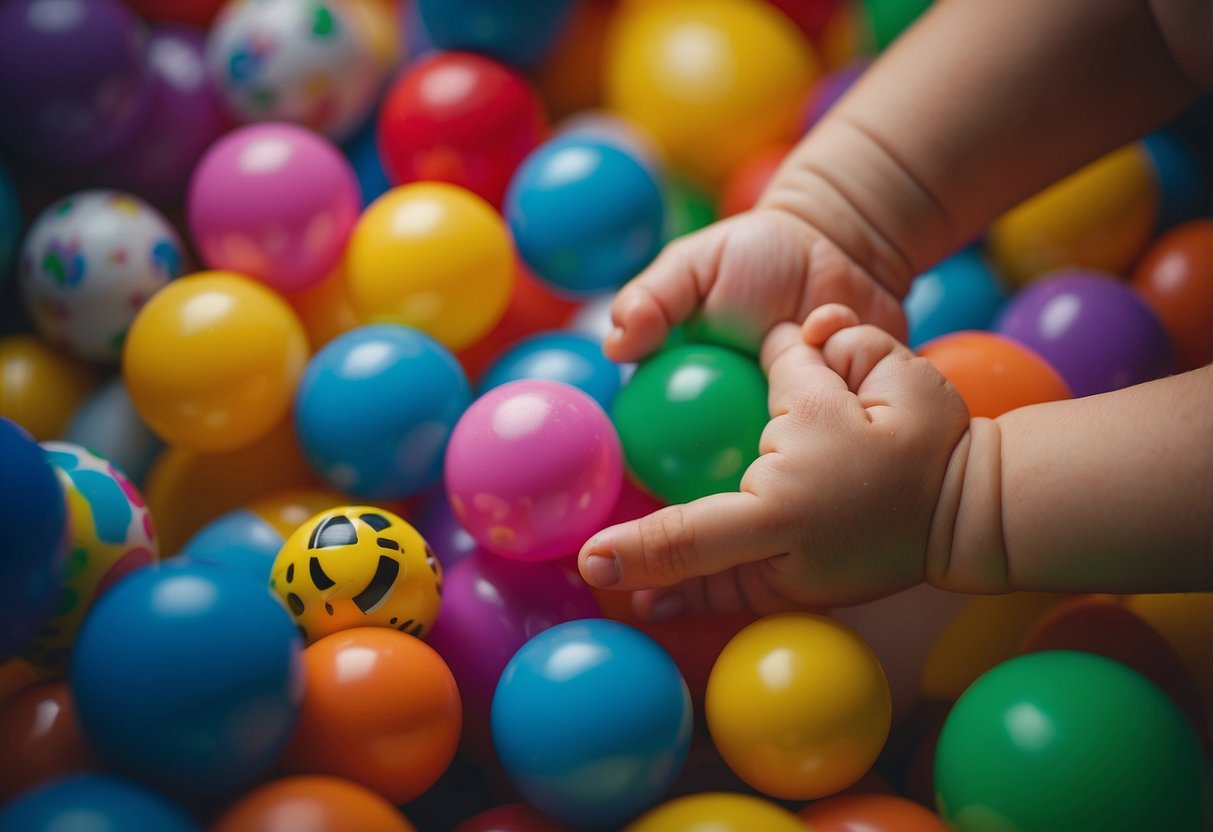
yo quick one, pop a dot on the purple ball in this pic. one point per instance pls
(436, 522)
(74, 84)
(1093, 329)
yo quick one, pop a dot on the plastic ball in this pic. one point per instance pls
(376, 408)
(1095, 330)
(362, 149)
(437, 523)
(798, 706)
(1067, 740)
(568, 357)
(687, 208)
(511, 817)
(358, 566)
(308, 63)
(10, 222)
(90, 261)
(533, 469)
(192, 12)
(73, 81)
(107, 423)
(960, 293)
(212, 361)
(886, 19)
(460, 118)
(994, 374)
(586, 215)
(719, 812)
(695, 643)
(620, 131)
(382, 710)
(236, 540)
(829, 88)
(744, 88)
(112, 535)
(223, 658)
(690, 419)
(432, 256)
(568, 763)
(520, 33)
(93, 801)
(275, 202)
(41, 735)
(1175, 277)
(1100, 217)
(316, 804)
(40, 388)
(746, 182)
(1180, 176)
(1185, 621)
(34, 560)
(870, 813)
(15, 676)
(569, 77)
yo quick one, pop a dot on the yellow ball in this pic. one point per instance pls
(435, 257)
(358, 566)
(212, 361)
(717, 812)
(798, 706)
(40, 387)
(713, 80)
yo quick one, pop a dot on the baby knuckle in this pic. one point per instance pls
(667, 545)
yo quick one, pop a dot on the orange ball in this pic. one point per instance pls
(748, 180)
(16, 675)
(1176, 279)
(40, 387)
(41, 738)
(311, 804)
(381, 709)
(870, 813)
(994, 374)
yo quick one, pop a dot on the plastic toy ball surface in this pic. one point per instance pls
(38, 727)
(375, 409)
(90, 262)
(959, 293)
(223, 658)
(566, 761)
(994, 374)
(533, 468)
(237, 540)
(719, 812)
(94, 801)
(512, 817)
(34, 561)
(318, 804)
(798, 706)
(1176, 279)
(107, 423)
(520, 33)
(275, 202)
(870, 813)
(1036, 731)
(10, 222)
(573, 358)
(358, 566)
(212, 360)
(40, 387)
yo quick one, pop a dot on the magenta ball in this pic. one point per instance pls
(273, 201)
(533, 468)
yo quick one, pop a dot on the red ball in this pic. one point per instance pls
(194, 12)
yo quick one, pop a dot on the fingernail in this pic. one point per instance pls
(670, 606)
(602, 570)
(614, 335)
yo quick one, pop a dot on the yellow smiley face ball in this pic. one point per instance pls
(358, 566)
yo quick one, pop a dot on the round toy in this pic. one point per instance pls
(994, 374)
(829, 88)
(617, 130)
(39, 730)
(569, 77)
(10, 222)
(90, 261)
(566, 762)
(236, 540)
(719, 812)
(308, 63)
(198, 13)
(112, 535)
(275, 202)
(326, 309)
(1095, 330)
(435, 257)
(744, 87)
(40, 388)
(886, 19)
(572, 358)
(212, 361)
(436, 522)
(223, 658)
(461, 118)
(1184, 620)
(107, 423)
(511, 817)
(798, 706)
(746, 182)
(690, 419)
(376, 407)
(34, 560)
(687, 208)
(959, 293)
(381, 710)
(93, 801)
(363, 152)
(586, 215)
(870, 813)
(316, 804)
(1176, 279)
(358, 566)
(73, 81)
(533, 469)
(520, 33)
(1180, 177)
(694, 642)
(1067, 740)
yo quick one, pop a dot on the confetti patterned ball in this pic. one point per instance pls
(112, 535)
(304, 61)
(89, 263)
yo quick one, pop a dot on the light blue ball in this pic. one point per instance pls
(362, 149)
(1181, 181)
(93, 803)
(572, 358)
(237, 540)
(108, 424)
(520, 32)
(375, 409)
(592, 721)
(586, 215)
(960, 293)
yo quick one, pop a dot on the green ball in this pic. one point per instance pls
(690, 419)
(888, 18)
(687, 208)
(1060, 741)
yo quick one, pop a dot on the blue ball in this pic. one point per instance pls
(362, 149)
(375, 408)
(592, 721)
(10, 222)
(33, 558)
(960, 293)
(1181, 180)
(108, 424)
(237, 540)
(586, 215)
(188, 677)
(573, 358)
(520, 32)
(93, 802)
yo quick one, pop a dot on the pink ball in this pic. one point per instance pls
(533, 468)
(273, 201)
